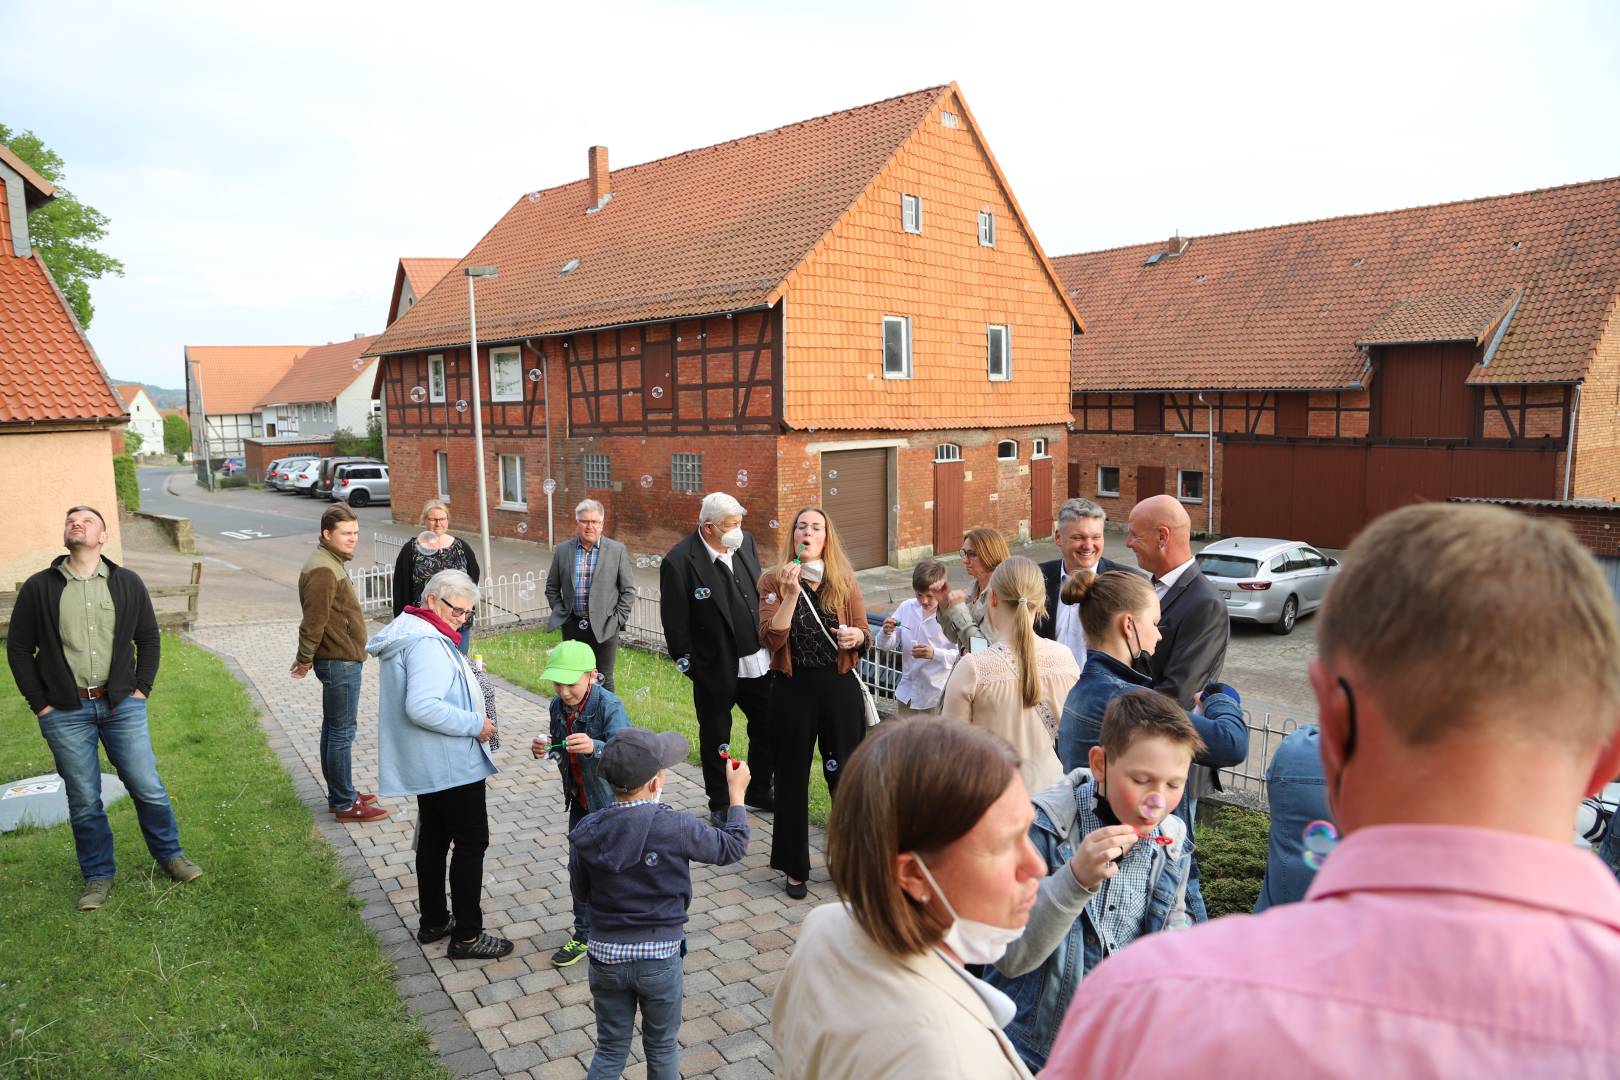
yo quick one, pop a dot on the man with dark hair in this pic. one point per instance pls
(332, 643)
(83, 648)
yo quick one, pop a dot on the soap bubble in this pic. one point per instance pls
(526, 590)
(1319, 839)
(1152, 806)
(658, 392)
(701, 593)
(833, 492)
(535, 374)
(596, 676)
(584, 624)
(418, 394)
(359, 362)
(832, 474)
(646, 480)
(522, 528)
(770, 598)
(773, 523)
(533, 196)
(682, 665)
(549, 486)
(830, 765)
(895, 508)
(642, 693)
(651, 859)
(742, 478)
(461, 405)
(725, 749)
(642, 563)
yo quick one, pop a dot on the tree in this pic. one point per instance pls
(346, 443)
(64, 230)
(176, 434)
(132, 442)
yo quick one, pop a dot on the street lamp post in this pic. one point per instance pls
(478, 414)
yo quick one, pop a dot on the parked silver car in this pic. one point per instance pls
(281, 477)
(360, 483)
(1268, 581)
(304, 477)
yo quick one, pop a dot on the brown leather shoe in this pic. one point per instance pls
(364, 798)
(360, 813)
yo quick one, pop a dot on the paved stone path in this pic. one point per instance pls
(520, 1017)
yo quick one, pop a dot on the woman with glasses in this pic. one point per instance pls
(432, 732)
(962, 615)
(433, 550)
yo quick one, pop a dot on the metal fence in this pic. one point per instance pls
(385, 549)
(1246, 783)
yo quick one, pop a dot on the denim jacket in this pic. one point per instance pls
(1043, 968)
(604, 715)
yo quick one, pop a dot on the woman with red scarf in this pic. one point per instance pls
(431, 735)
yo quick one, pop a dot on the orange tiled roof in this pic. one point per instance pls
(321, 374)
(48, 371)
(234, 378)
(43, 188)
(1285, 307)
(127, 391)
(423, 274)
(705, 231)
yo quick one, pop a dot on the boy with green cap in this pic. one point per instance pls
(584, 716)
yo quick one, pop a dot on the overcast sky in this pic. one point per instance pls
(265, 165)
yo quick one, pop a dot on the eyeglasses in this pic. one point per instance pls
(968, 553)
(458, 612)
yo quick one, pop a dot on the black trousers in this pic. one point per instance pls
(606, 651)
(713, 699)
(453, 816)
(813, 705)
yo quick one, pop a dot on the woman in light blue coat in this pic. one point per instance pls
(431, 731)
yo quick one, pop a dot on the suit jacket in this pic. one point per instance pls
(1195, 629)
(702, 632)
(1052, 571)
(612, 592)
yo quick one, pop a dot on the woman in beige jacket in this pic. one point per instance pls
(1016, 688)
(934, 865)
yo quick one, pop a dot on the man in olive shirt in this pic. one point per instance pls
(332, 642)
(83, 648)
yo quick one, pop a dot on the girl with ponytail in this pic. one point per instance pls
(1017, 686)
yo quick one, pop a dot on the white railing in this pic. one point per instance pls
(385, 549)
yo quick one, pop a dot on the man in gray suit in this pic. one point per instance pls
(591, 588)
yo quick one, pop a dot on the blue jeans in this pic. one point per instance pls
(1609, 852)
(340, 708)
(73, 737)
(582, 910)
(1296, 793)
(617, 989)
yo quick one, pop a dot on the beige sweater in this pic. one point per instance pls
(984, 690)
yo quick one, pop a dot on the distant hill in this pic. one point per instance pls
(163, 399)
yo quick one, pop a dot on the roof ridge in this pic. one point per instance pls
(1355, 217)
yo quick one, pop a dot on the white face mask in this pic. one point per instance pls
(813, 571)
(972, 942)
(731, 539)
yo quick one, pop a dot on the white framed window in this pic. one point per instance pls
(896, 347)
(948, 119)
(1189, 485)
(441, 461)
(1108, 480)
(1037, 448)
(512, 495)
(686, 472)
(1007, 450)
(598, 471)
(436, 377)
(998, 353)
(505, 375)
(987, 229)
(911, 213)
(947, 451)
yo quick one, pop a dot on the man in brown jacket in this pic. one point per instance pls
(332, 641)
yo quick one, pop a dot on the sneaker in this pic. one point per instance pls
(572, 952)
(360, 813)
(427, 935)
(482, 947)
(182, 869)
(362, 798)
(95, 893)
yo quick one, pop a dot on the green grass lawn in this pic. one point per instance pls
(263, 967)
(655, 695)
(1232, 857)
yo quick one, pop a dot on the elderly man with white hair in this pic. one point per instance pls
(431, 735)
(591, 588)
(710, 608)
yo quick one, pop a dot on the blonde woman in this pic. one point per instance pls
(813, 621)
(1016, 687)
(433, 550)
(961, 615)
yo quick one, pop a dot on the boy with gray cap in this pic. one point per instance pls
(631, 864)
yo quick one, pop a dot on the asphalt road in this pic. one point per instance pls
(239, 515)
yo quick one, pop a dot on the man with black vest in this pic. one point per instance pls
(83, 648)
(710, 610)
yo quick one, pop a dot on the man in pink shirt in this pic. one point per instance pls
(1469, 694)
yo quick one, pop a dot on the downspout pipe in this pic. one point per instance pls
(545, 393)
(1569, 452)
(1209, 516)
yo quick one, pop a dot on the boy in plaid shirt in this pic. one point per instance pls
(631, 864)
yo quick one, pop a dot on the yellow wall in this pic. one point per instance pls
(41, 475)
(950, 286)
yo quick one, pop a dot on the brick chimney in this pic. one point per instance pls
(599, 178)
(1178, 243)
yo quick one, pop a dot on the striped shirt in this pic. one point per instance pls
(620, 952)
(584, 571)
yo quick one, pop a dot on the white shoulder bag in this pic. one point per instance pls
(872, 717)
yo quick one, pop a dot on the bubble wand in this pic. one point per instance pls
(1151, 807)
(725, 754)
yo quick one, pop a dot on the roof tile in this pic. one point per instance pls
(321, 373)
(234, 378)
(48, 372)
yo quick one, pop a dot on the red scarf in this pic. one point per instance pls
(437, 623)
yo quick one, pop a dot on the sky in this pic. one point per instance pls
(264, 166)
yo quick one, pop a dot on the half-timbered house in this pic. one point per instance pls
(1297, 381)
(849, 311)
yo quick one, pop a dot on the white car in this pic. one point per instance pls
(1268, 581)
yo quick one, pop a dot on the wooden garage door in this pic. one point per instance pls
(855, 494)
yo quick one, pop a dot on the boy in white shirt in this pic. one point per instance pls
(926, 654)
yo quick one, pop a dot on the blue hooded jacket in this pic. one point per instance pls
(427, 719)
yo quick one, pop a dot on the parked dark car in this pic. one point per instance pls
(324, 480)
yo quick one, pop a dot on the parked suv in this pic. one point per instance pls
(328, 473)
(302, 479)
(361, 484)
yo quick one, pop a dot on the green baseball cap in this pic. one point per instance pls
(569, 662)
